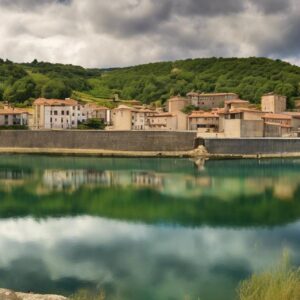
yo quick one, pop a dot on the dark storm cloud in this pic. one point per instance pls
(272, 6)
(125, 32)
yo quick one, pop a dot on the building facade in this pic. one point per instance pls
(204, 121)
(273, 103)
(10, 117)
(209, 101)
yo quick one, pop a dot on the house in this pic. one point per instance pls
(94, 111)
(204, 121)
(141, 118)
(57, 114)
(130, 118)
(163, 121)
(241, 122)
(277, 125)
(10, 116)
(207, 101)
(235, 104)
(168, 121)
(273, 103)
(295, 120)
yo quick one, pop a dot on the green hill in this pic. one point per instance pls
(248, 77)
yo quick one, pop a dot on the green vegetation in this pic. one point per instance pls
(281, 283)
(87, 295)
(92, 124)
(14, 127)
(155, 82)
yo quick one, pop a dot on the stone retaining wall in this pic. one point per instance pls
(251, 146)
(106, 140)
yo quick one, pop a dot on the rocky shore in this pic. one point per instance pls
(11, 295)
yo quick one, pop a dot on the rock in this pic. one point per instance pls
(10, 295)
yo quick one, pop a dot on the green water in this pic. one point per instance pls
(144, 228)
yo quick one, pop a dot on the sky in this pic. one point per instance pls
(103, 33)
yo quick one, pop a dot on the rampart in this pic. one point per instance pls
(94, 140)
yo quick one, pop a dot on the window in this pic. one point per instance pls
(55, 113)
(63, 112)
(68, 112)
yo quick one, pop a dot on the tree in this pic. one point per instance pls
(56, 89)
(92, 124)
(22, 90)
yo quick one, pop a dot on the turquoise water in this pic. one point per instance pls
(144, 228)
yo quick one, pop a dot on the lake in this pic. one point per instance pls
(144, 228)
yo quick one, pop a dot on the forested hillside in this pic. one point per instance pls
(248, 77)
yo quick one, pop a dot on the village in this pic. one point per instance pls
(222, 115)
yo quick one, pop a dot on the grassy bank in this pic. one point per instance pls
(280, 283)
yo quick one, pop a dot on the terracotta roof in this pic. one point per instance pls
(295, 115)
(236, 101)
(177, 98)
(245, 109)
(196, 114)
(55, 102)
(278, 124)
(124, 107)
(277, 116)
(211, 94)
(13, 111)
(161, 115)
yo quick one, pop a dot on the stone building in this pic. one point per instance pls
(210, 100)
(241, 122)
(57, 114)
(10, 116)
(273, 103)
(177, 103)
(277, 125)
(204, 121)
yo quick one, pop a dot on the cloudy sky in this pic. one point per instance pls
(102, 33)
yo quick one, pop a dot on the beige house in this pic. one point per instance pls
(204, 121)
(94, 111)
(129, 118)
(295, 120)
(277, 125)
(241, 122)
(132, 118)
(209, 101)
(10, 116)
(169, 121)
(273, 103)
(235, 104)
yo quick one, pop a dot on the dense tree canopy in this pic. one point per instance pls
(248, 77)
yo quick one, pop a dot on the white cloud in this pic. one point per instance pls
(118, 33)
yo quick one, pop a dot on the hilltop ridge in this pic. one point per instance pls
(154, 82)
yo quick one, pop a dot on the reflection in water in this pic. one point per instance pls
(144, 228)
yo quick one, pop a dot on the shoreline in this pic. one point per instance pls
(199, 153)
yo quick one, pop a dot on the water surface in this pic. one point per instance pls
(144, 228)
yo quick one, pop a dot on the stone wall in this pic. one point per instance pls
(251, 146)
(104, 140)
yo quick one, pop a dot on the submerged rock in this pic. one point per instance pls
(10, 295)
